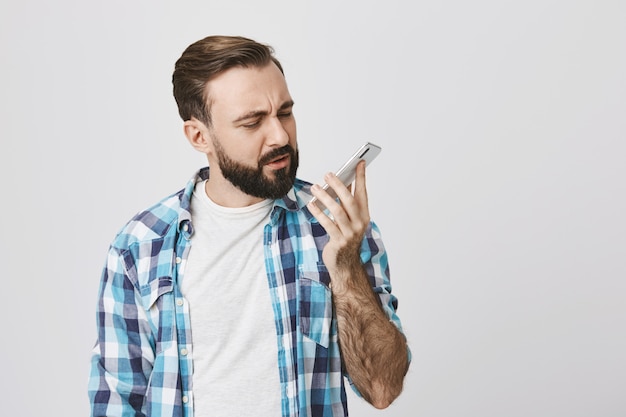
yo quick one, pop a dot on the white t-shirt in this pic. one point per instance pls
(234, 345)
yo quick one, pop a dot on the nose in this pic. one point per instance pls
(277, 135)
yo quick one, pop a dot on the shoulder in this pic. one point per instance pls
(154, 222)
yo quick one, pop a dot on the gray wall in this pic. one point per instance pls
(500, 189)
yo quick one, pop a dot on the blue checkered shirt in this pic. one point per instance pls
(141, 365)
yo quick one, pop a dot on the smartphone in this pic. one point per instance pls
(367, 152)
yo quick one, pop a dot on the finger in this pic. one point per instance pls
(355, 207)
(360, 188)
(323, 199)
(339, 188)
(340, 210)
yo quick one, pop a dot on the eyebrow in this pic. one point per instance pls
(259, 113)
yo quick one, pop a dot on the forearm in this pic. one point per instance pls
(373, 349)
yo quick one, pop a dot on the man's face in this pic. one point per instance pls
(253, 130)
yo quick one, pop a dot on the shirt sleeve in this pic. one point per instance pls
(374, 258)
(123, 355)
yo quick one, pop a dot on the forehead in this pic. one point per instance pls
(238, 90)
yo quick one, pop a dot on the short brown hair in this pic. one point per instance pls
(207, 58)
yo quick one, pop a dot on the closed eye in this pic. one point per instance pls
(252, 125)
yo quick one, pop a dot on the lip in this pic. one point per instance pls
(278, 163)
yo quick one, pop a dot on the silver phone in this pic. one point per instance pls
(367, 152)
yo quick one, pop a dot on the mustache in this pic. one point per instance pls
(285, 150)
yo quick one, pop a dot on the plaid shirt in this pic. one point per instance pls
(142, 361)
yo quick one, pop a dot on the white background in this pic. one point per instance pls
(500, 190)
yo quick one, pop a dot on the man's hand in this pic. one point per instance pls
(346, 221)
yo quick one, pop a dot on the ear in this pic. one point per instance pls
(197, 134)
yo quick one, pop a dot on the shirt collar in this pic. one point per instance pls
(296, 199)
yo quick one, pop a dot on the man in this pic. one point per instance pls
(234, 297)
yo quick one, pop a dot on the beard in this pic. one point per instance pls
(252, 180)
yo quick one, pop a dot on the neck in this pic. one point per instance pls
(224, 193)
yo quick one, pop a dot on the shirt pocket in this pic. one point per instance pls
(158, 301)
(154, 289)
(316, 307)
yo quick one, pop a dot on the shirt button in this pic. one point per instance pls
(178, 260)
(184, 351)
(180, 302)
(185, 399)
(185, 227)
